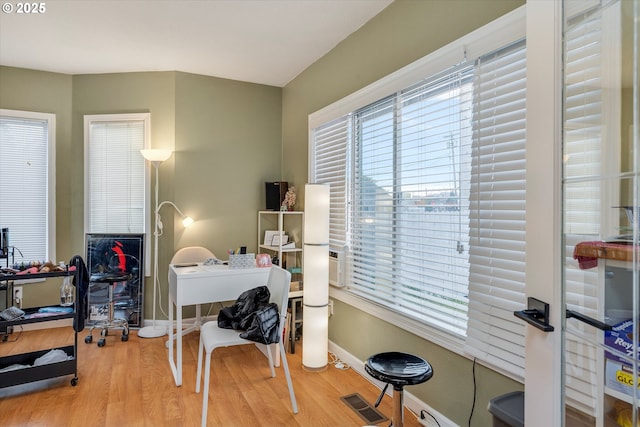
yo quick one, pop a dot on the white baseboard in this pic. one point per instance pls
(410, 401)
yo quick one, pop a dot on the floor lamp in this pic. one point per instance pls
(156, 157)
(315, 265)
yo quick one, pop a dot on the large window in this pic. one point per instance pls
(409, 221)
(27, 183)
(428, 193)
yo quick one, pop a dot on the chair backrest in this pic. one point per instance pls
(278, 283)
(191, 254)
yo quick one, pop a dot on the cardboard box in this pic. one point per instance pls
(619, 377)
(620, 338)
(296, 285)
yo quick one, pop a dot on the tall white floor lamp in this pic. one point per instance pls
(156, 157)
(315, 299)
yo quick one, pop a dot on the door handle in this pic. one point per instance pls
(536, 314)
(588, 320)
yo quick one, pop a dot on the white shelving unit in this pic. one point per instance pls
(279, 224)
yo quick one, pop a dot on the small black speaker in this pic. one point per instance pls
(274, 192)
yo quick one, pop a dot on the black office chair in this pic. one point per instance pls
(399, 370)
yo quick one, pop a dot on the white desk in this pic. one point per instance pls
(204, 284)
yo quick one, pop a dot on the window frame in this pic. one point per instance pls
(500, 32)
(50, 118)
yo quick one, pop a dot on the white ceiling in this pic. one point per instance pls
(260, 41)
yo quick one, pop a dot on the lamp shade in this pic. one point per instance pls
(156, 155)
(316, 214)
(316, 277)
(315, 338)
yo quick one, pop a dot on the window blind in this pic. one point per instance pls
(409, 226)
(24, 184)
(330, 161)
(116, 176)
(406, 164)
(584, 198)
(497, 210)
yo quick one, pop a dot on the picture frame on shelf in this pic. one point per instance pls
(268, 236)
(277, 240)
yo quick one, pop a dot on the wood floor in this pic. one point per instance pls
(130, 384)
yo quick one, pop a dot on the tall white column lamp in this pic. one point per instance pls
(156, 157)
(315, 299)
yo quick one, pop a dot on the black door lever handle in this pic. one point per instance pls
(588, 320)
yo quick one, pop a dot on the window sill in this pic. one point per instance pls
(437, 336)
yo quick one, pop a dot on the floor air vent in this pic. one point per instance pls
(361, 407)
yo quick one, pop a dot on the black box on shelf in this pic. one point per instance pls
(275, 192)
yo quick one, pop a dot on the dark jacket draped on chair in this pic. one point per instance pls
(253, 314)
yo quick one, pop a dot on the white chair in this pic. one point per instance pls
(212, 337)
(192, 254)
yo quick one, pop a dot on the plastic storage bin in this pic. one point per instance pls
(508, 409)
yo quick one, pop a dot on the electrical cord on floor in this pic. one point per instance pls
(473, 404)
(423, 414)
(339, 364)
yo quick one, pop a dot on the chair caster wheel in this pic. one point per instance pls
(124, 337)
(101, 342)
(88, 339)
(74, 382)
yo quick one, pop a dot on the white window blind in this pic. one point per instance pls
(115, 173)
(399, 154)
(330, 160)
(497, 211)
(26, 183)
(409, 224)
(586, 202)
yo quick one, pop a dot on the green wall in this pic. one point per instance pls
(405, 31)
(228, 143)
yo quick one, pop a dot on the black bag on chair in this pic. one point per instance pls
(240, 314)
(264, 325)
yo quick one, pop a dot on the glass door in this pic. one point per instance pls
(601, 211)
